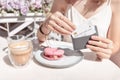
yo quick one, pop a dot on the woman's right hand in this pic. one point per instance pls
(58, 23)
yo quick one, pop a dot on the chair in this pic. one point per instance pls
(21, 23)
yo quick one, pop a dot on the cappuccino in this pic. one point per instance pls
(20, 52)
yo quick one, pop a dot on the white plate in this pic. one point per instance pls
(70, 57)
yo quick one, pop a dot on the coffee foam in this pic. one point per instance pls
(22, 47)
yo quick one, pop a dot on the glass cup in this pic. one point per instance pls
(20, 50)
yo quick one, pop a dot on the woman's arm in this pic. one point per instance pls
(106, 47)
(42, 32)
(114, 30)
(56, 21)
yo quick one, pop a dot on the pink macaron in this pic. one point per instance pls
(53, 53)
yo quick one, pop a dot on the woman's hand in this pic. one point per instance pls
(58, 23)
(101, 46)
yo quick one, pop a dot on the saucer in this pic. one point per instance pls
(70, 57)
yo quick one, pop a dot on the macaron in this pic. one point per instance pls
(53, 53)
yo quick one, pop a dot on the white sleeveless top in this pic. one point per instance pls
(101, 20)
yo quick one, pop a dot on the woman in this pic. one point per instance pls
(66, 14)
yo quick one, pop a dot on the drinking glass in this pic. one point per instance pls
(20, 50)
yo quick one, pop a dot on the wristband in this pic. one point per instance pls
(40, 29)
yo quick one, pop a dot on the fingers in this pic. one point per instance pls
(60, 24)
(104, 40)
(101, 42)
(101, 53)
(58, 29)
(103, 56)
(101, 46)
(65, 19)
(98, 49)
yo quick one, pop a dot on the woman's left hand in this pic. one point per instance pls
(101, 46)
